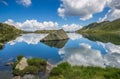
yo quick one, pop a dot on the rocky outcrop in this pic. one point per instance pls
(56, 36)
(22, 64)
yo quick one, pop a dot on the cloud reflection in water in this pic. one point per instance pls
(28, 38)
(86, 56)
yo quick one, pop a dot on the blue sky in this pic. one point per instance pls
(47, 10)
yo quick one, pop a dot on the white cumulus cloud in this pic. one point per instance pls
(33, 25)
(72, 27)
(83, 8)
(25, 3)
(114, 12)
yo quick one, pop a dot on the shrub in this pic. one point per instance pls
(31, 69)
(19, 57)
(39, 63)
(17, 72)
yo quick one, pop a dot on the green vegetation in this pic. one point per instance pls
(37, 62)
(35, 65)
(66, 71)
(103, 27)
(8, 32)
(19, 57)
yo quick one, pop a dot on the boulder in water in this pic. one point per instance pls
(56, 36)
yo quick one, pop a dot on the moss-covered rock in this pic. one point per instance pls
(31, 66)
(56, 36)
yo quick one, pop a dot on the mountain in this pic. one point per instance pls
(44, 31)
(105, 26)
(56, 36)
(8, 32)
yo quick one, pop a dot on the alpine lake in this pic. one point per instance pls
(81, 50)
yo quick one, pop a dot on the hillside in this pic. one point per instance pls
(105, 26)
(8, 32)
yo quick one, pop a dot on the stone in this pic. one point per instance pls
(22, 64)
(56, 36)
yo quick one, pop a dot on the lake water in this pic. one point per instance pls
(77, 50)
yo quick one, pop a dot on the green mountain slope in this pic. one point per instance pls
(106, 26)
(7, 33)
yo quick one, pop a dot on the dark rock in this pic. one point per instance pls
(1, 45)
(56, 36)
(57, 44)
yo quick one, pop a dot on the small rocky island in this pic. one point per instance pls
(56, 36)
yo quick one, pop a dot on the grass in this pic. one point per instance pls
(35, 65)
(66, 71)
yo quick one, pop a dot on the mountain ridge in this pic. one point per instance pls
(106, 26)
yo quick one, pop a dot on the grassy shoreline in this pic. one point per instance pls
(66, 71)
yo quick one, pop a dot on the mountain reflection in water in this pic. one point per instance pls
(77, 50)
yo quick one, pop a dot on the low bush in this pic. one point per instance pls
(19, 57)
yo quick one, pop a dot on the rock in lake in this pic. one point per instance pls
(56, 36)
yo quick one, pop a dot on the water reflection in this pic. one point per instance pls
(28, 38)
(74, 36)
(104, 37)
(77, 50)
(6, 75)
(31, 76)
(83, 55)
(57, 44)
(110, 48)
(86, 56)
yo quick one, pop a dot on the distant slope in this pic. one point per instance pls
(8, 32)
(44, 31)
(8, 29)
(106, 26)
